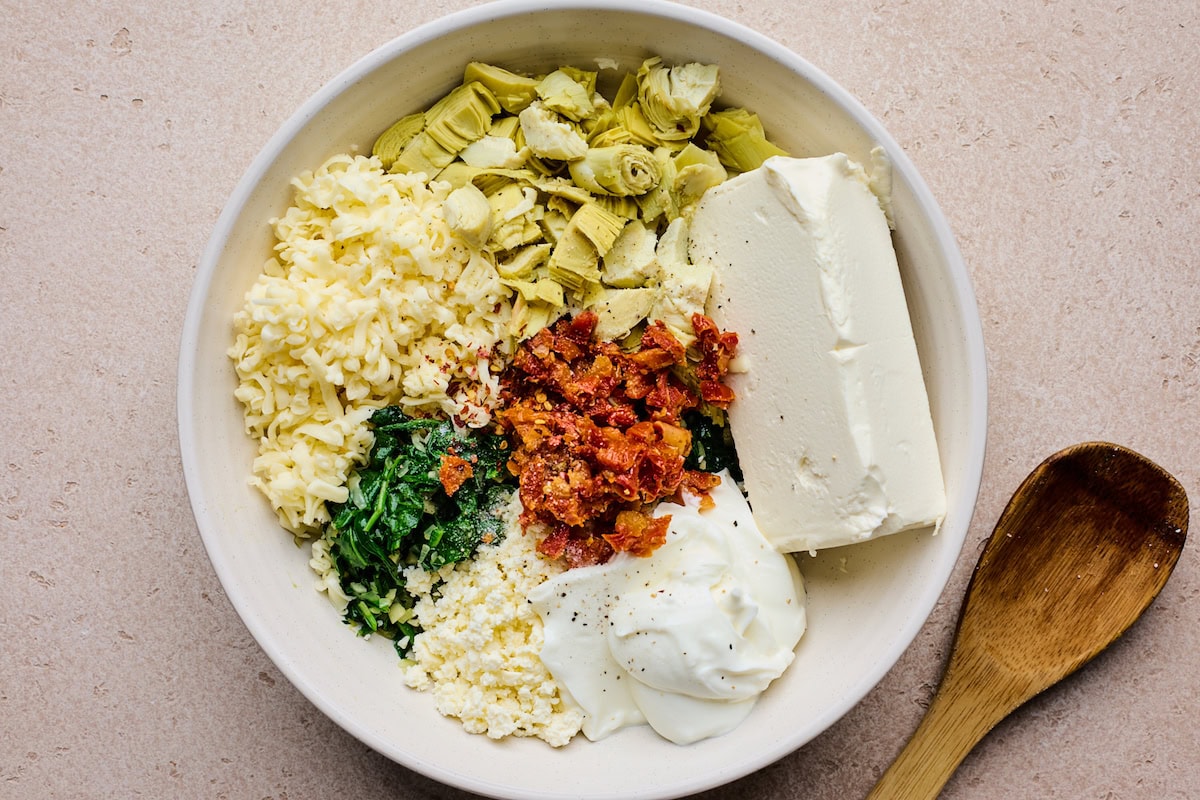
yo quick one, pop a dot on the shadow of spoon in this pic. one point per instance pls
(1084, 546)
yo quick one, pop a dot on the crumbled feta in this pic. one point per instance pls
(479, 650)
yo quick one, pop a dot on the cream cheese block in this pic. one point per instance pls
(832, 419)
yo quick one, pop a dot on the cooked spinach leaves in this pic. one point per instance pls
(712, 445)
(399, 514)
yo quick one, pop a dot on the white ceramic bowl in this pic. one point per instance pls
(866, 603)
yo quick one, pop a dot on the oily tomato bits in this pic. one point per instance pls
(597, 434)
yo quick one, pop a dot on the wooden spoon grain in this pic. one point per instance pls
(1084, 546)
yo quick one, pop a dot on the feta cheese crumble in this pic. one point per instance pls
(479, 650)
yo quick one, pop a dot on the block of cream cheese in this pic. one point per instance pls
(831, 420)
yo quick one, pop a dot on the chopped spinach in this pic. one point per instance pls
(712, 445)
(398, 514)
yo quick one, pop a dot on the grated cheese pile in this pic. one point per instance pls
(479, 652)
(370, 300)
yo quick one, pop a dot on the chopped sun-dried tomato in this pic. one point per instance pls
(597, 435)
(716, 351)
(638, 533)
(454, 472)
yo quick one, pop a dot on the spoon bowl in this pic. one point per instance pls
(1084, 546)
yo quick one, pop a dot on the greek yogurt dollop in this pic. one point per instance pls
(685, 639)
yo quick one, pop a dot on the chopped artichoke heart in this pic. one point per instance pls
(573, 260)
(697, 171)
(631, 261)
(544, 290)
(627, 92)
(494, 152)
(550, 137)
(674, 99)
(561, 93)
(530, 317)
(623, 170)
(684, 285)
(461, 117)
(506, 127)
(564, 190)
(619, 310)
(738, 139)
(554, 225)
(512, 91)
(422, 154)
(632, 121)
(661, 201)
(601, 227)
(625, 207)
(513, 214)
(391, 143)
(585, 78)
(458, 174)
(524, 262)
(469, 214)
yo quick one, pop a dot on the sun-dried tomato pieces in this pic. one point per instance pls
(454, 472)
(716, 351)
(638, 533)
(597, 436)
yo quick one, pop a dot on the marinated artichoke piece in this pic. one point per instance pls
(506, 127)
(458, 174)
(548, 136)
(523, 262)
(623, 170)
(590, 234)
(543, 290)
(461, 117)
(529, 317)
(469, 214)
(684, 285)
(494, 151)
(627, 92)
(573, 261)
(631, 262)
(512, 91)
(585, 78)
(514, 217)
(422, 154)
(697, 171)
(601, 227)
(627, 126)
(661, 201)
(561, 93)
(391, 143)
(674, 99)
(564, 190)
(554, 225)
(738, 139)
(625, 207)
(619, 310)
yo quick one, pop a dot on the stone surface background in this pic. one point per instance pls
(1060, 138)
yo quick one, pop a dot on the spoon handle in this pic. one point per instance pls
(974, 695)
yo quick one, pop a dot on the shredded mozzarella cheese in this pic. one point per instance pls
(371, 299)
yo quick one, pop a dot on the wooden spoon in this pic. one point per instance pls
(1084, 546)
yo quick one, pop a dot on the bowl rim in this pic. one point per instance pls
(976, 388)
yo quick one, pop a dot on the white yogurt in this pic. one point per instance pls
(685, 639)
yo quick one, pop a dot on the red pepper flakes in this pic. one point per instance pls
(597, 435)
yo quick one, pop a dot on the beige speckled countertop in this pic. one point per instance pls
(1061, 139)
